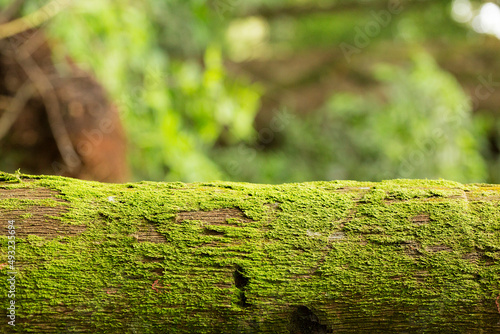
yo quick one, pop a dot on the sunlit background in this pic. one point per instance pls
(265, 91)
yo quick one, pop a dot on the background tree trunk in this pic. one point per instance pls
(400, 256)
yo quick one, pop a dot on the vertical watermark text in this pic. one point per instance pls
(11, 273)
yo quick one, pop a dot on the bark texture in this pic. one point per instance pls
(401, 256)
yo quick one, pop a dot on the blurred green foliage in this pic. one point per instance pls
(165, 72)
(187, 119)
(424, 130)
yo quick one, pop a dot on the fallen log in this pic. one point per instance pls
(400, 256)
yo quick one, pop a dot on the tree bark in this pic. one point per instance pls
(402, 256)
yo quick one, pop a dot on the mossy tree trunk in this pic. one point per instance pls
(323, 257)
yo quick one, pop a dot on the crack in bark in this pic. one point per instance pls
(241, 281)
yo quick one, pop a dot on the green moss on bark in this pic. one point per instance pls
(360, 256)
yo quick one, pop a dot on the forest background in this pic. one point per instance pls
(290, 90)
